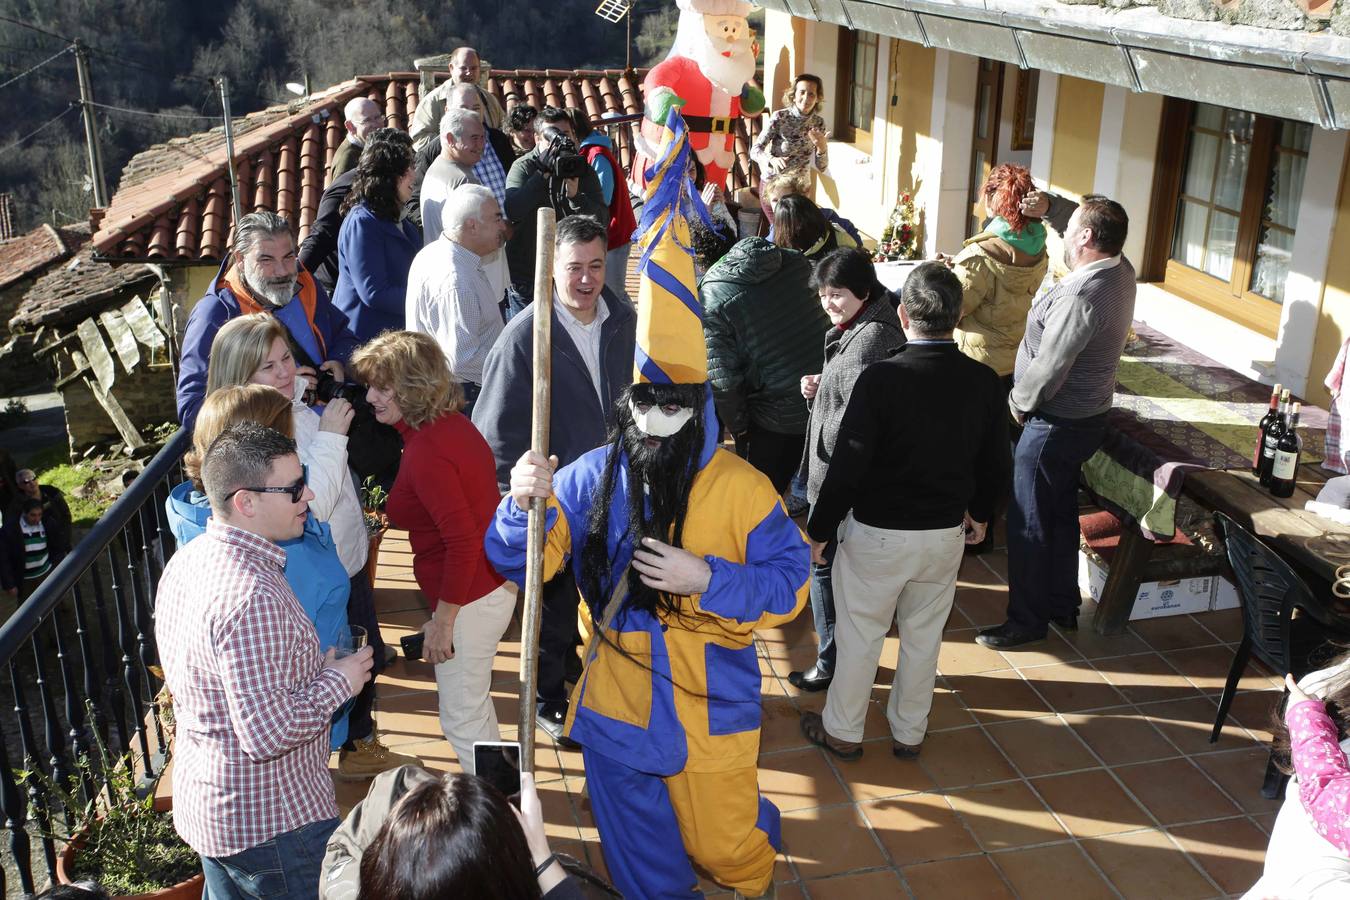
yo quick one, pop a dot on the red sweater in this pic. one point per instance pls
(445, 496)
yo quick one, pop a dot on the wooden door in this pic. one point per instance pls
(984, 144)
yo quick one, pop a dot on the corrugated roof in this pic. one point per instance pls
(173, 202)
(28, 254)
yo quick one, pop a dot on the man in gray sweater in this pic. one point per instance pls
(1062, 391)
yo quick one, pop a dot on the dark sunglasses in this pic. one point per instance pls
(296, 490)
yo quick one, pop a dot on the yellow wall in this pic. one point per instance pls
(1333, 318)
(1078, 117)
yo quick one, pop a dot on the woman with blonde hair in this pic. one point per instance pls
(445, 496)
(313, 569)
(256, 349)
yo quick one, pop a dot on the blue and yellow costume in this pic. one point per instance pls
(669, 723)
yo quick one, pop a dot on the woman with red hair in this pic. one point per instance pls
(1000, 270)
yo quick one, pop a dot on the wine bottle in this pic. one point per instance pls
(1272, 438)
(1284, 471)
(1271, 415)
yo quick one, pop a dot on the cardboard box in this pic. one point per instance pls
(1163, 598)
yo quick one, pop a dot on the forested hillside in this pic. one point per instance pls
(154, 60)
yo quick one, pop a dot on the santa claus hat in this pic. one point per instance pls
(717, 7)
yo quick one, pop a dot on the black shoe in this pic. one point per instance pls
(572, 667)
(1066, 623)
(812, 680)
(905, 751)
(551, 716)
(1007, 637)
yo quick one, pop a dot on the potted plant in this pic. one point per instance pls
(373, 499)
(122, 837)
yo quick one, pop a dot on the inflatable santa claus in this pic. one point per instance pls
(708, 76)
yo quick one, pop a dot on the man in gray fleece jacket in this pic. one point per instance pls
(1062, 391)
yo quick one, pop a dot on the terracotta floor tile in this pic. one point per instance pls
(1175, 791)
(1207, 668)
(1042, 746)
(799, 779)
(997, 563)
(829, 841)
(1232, 851)
(780, 727)
(960, 655)
(975, 571)
(1265, 821)
(880, 774)
(997, 696)
(1091, 803)
(983, 606)
(884, 883)
(1147, 865)
(1225, 624)
(918, 828)
(947, 711)
(1121, 736)
(1146, 678)
(973, 876)
(408, 718)
(963, 757)
(1006, 815)
(1097, 646)
(1172, 632)
(1187, 723)
(1240, 773)
(874, 725)
(1032, 871)
(1072, 687)
(1054, 649)
(1257, 710)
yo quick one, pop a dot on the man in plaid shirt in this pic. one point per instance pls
(253, 693)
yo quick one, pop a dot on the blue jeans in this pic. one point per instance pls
(1043, 518)
(288, 867)
(822, 608)
(518, 296)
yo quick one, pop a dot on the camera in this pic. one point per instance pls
(329, 387)
(558, 155)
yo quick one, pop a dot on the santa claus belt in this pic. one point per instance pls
(710, 124)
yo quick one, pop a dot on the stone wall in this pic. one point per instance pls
(146, 395)
(1283, 15)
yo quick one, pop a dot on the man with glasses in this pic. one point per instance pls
(362, 116)
(253, 692)
(54, 523)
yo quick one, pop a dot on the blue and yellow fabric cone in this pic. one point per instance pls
(670, 348)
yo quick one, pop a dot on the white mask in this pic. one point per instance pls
(659, 423)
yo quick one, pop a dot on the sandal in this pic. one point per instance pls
(813, 729)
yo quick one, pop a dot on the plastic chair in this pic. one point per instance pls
(1269, 591)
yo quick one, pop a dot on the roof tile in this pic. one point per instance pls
(28, 254)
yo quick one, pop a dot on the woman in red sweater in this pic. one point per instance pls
(444, 496)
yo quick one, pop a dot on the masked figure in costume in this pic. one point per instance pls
(681, 551)
(708, 77)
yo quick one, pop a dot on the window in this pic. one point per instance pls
(1237, 186)
(857, 90)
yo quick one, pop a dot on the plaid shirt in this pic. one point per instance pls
(251, 697)
(491, 173)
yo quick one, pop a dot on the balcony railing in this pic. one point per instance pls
(78, 655)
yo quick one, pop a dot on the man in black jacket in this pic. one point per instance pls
(921, 457)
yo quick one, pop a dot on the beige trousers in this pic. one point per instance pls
(464, 682)
(880, 575)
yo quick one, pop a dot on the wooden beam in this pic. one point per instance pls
(119, 417)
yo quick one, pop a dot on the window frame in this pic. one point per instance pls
(845, 130)
(1232, 298)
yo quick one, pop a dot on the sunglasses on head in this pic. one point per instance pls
(296, 490)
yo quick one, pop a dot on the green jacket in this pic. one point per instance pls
(762, 324)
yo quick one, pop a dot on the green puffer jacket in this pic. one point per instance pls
(762, 324)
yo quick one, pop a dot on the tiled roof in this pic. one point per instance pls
(76, 289)
(173, 202)
(28, 254)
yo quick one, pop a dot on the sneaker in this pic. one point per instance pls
(1007, 637)
(551, 715)
(369, 759)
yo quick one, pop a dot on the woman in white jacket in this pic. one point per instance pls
(254, 349)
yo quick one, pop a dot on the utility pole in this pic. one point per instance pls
(100, 186)
(224, 84)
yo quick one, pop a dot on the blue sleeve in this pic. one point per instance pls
(364, 261)
(605, 172)
(203, 323)
(338, 340)
(769, 582)
(506, 538)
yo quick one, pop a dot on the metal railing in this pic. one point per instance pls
(78, 655)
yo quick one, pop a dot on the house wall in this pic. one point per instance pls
(1333, 318)
(146, 395)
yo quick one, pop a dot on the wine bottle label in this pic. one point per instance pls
(1268, 446)
(1285, 464)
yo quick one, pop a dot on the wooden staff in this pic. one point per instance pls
(534, 548)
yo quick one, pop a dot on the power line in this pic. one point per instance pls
(32, 27)
(146, 112)
(24, 74)
(8, 147)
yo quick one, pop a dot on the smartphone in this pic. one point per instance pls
(498, 763)
(412, 644)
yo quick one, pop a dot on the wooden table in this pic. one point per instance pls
(1282, 523)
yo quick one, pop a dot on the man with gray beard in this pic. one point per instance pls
(261, 274)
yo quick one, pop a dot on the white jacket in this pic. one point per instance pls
(335, 499)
